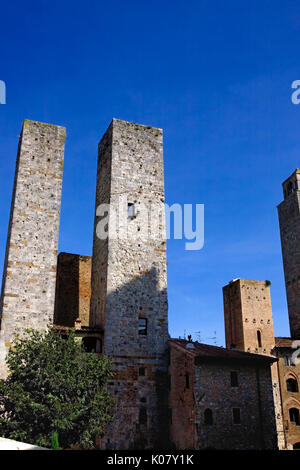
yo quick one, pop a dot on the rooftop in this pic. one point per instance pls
(207, 352)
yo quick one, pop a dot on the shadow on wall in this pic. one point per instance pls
(137, 338)
(66, 309)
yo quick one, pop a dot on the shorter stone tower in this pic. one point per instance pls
(289, 222)
(29, 275)
(249, 327)
(248, 316)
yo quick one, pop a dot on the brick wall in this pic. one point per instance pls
(73, 289)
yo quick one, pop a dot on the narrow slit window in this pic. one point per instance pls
(259, 339)
(187, 380)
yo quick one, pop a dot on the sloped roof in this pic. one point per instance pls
(207, 352)
(283, 342)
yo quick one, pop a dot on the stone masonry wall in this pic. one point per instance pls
(29, 276)
(247, 310)
(182, 417)
(290, 399)
(129, 280)
(289, 222)
(73, 289)
(253, 397)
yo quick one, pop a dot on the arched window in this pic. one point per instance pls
(259, 338)
(292, 385)
(296, 446)
(294, 416)
(290, 188)
(208, 416)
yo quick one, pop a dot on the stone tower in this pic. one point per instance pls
(29, 275)
(249, 327)
(129, 281)
(289, 222)
(248, 316)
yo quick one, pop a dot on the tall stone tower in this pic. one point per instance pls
(289, 222)
(29, 275)
(248, 316)
(129, 282)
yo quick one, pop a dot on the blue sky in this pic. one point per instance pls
(216, 76)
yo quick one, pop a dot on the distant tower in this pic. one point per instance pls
(248, 316)
(29, 275)
(289, 222)
(129, 284)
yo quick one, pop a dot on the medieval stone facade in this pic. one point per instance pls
(129, 282)
(220, 398)
(167, 392)
(289, 222)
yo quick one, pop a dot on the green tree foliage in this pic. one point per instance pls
(54, 387)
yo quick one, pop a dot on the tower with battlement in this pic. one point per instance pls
(129, 282)
(289, 222)
(29, 275)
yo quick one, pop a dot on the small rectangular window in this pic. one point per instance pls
(187, 380)
(131, 211)
(143, 326)
(234, 379)
(236, 416)
(142, 371)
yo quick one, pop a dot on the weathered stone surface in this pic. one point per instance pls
(290, 398)
(289, 222)
(201, 379)
(28, 287)
(248, 313)
(129, 282)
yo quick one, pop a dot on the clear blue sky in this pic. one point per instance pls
(216, 76)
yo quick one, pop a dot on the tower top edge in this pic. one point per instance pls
(135, 124)
(297, 171)
(45, 125)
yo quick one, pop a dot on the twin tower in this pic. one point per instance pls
(129, 280)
